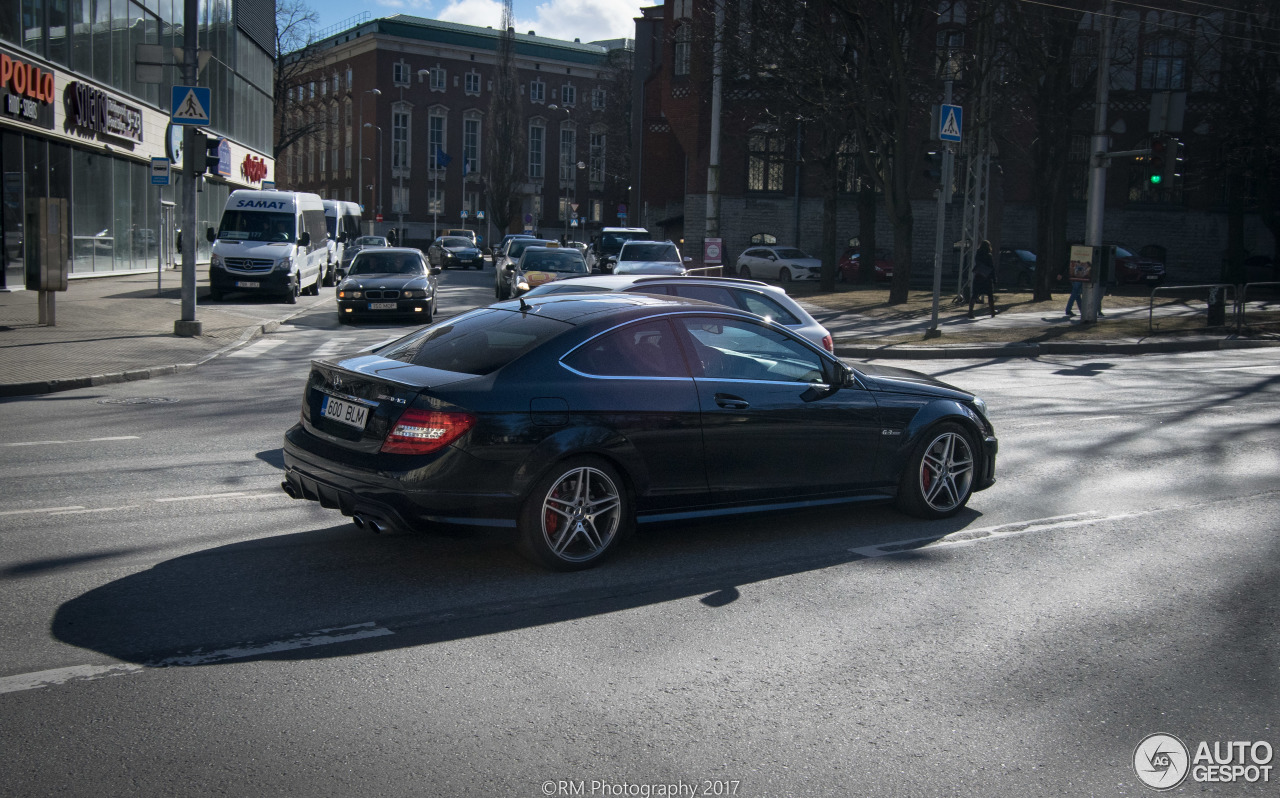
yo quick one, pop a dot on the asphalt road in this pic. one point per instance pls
(175, 625)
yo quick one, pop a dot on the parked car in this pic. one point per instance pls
(768, 301)
(353, 248)
(573, 418)
(503, 284)
(1133, 268)
(386, 282)
(783, 264)
(650, 257)
(539, 265)
(1015, 268)
(849, 267)
(447, 251)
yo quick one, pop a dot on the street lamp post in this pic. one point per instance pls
(378, 181)
(562, 161)
(360, 152)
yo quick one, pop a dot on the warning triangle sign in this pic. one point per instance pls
(190, 108)
(950, 127)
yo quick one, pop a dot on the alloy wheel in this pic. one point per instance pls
(581, 514)
(946, 472)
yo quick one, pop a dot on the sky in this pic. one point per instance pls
(588, 20)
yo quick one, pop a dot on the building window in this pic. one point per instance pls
(439, 78)
(950, 54)
(596, 174)
(765, 164)
(598, 96)
(597, 210)
(568, 95)
(399, 199)
(537, 91)
(1084, 59)
(536, 207)
(1164, 64)
(537, 135)
(349, 78)
(435, 200)
(470, 146)
(400, 73)
(435, 138)
(473, 83)
(683, 44)
(568, 142)
(334, 80)
(312, 95)
(400, 139)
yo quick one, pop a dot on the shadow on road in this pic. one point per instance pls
(427, 589)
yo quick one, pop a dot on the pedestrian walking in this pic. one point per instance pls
(984, 278)
(1075, 299)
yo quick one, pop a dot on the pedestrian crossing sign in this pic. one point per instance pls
(949, 125)
(191, 105)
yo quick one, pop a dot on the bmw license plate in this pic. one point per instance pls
(382, 306)
(344, 412)
(242, 284)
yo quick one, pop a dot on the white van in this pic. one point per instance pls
(342, 219)
(269, 242)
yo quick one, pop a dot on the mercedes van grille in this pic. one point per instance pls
(249, 264)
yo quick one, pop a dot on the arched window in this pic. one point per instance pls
(683, 45)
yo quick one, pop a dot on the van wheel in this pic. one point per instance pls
(292, 292)
(215, 295)
(328, 278)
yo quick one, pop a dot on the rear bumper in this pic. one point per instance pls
(459, 494)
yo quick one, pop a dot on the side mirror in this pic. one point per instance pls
(688, 259)
(305, 239)
(510, 267)
(436, 269)
(210, 235)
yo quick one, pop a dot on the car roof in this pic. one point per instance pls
(397, 251)
(579, 308)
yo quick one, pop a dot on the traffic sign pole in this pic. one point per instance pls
(187, 326)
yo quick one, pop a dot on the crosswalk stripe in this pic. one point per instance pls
(258, 348)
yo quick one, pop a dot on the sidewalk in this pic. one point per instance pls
(116, 329)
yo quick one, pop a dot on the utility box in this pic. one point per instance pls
(47, 262)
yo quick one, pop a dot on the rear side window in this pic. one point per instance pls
(707, 293)
(764, 306)
(644, 349)
(479, 342)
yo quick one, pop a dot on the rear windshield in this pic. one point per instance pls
(478, 342)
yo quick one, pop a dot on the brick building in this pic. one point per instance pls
(768, 189)
(389, 94)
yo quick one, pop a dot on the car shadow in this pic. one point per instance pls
(421, 589)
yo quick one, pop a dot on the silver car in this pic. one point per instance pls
(759, 298)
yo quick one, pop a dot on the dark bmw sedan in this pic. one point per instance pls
(388, 282)
(572, 418)
(447, 251)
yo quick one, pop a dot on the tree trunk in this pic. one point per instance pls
(830, 195)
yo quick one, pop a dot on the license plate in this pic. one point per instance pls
(353, 415)
(382, 306)
(242, 284)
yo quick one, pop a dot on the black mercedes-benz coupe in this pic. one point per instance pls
(571, 418)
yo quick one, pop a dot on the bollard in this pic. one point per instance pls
(1217, 307)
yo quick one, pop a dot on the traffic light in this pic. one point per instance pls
(1172, 162)
(206, 153)
(1158, 160)
(933, 167)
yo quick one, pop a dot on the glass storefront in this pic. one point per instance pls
(114, 210)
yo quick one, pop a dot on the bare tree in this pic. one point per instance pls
(506, 140)
(297, 59)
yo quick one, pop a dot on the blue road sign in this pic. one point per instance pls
(950, 123)
(191, 105)
(159, 171)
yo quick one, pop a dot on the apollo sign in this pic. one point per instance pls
(26, 92)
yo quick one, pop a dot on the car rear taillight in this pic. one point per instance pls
(828, 344)
(426, 431)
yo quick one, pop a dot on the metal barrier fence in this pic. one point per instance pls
(1210, 301)
(707, 271)
(1244, 294)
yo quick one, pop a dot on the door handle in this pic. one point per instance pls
(731, 402)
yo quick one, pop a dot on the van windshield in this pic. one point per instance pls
(257, 226)
(612, 240)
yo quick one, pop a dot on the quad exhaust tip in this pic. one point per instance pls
(372, 524)
(288, 488)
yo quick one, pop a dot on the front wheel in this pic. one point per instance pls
(294, 289)
(575, 515)
(784, 275)
(744, 272)
(939, 476)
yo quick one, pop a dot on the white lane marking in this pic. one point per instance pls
(335, 345)
(99, 510)
(234, 495)
(322, 637)
(84, 440)
(967, 536)
(258, 348)
(43, 510)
